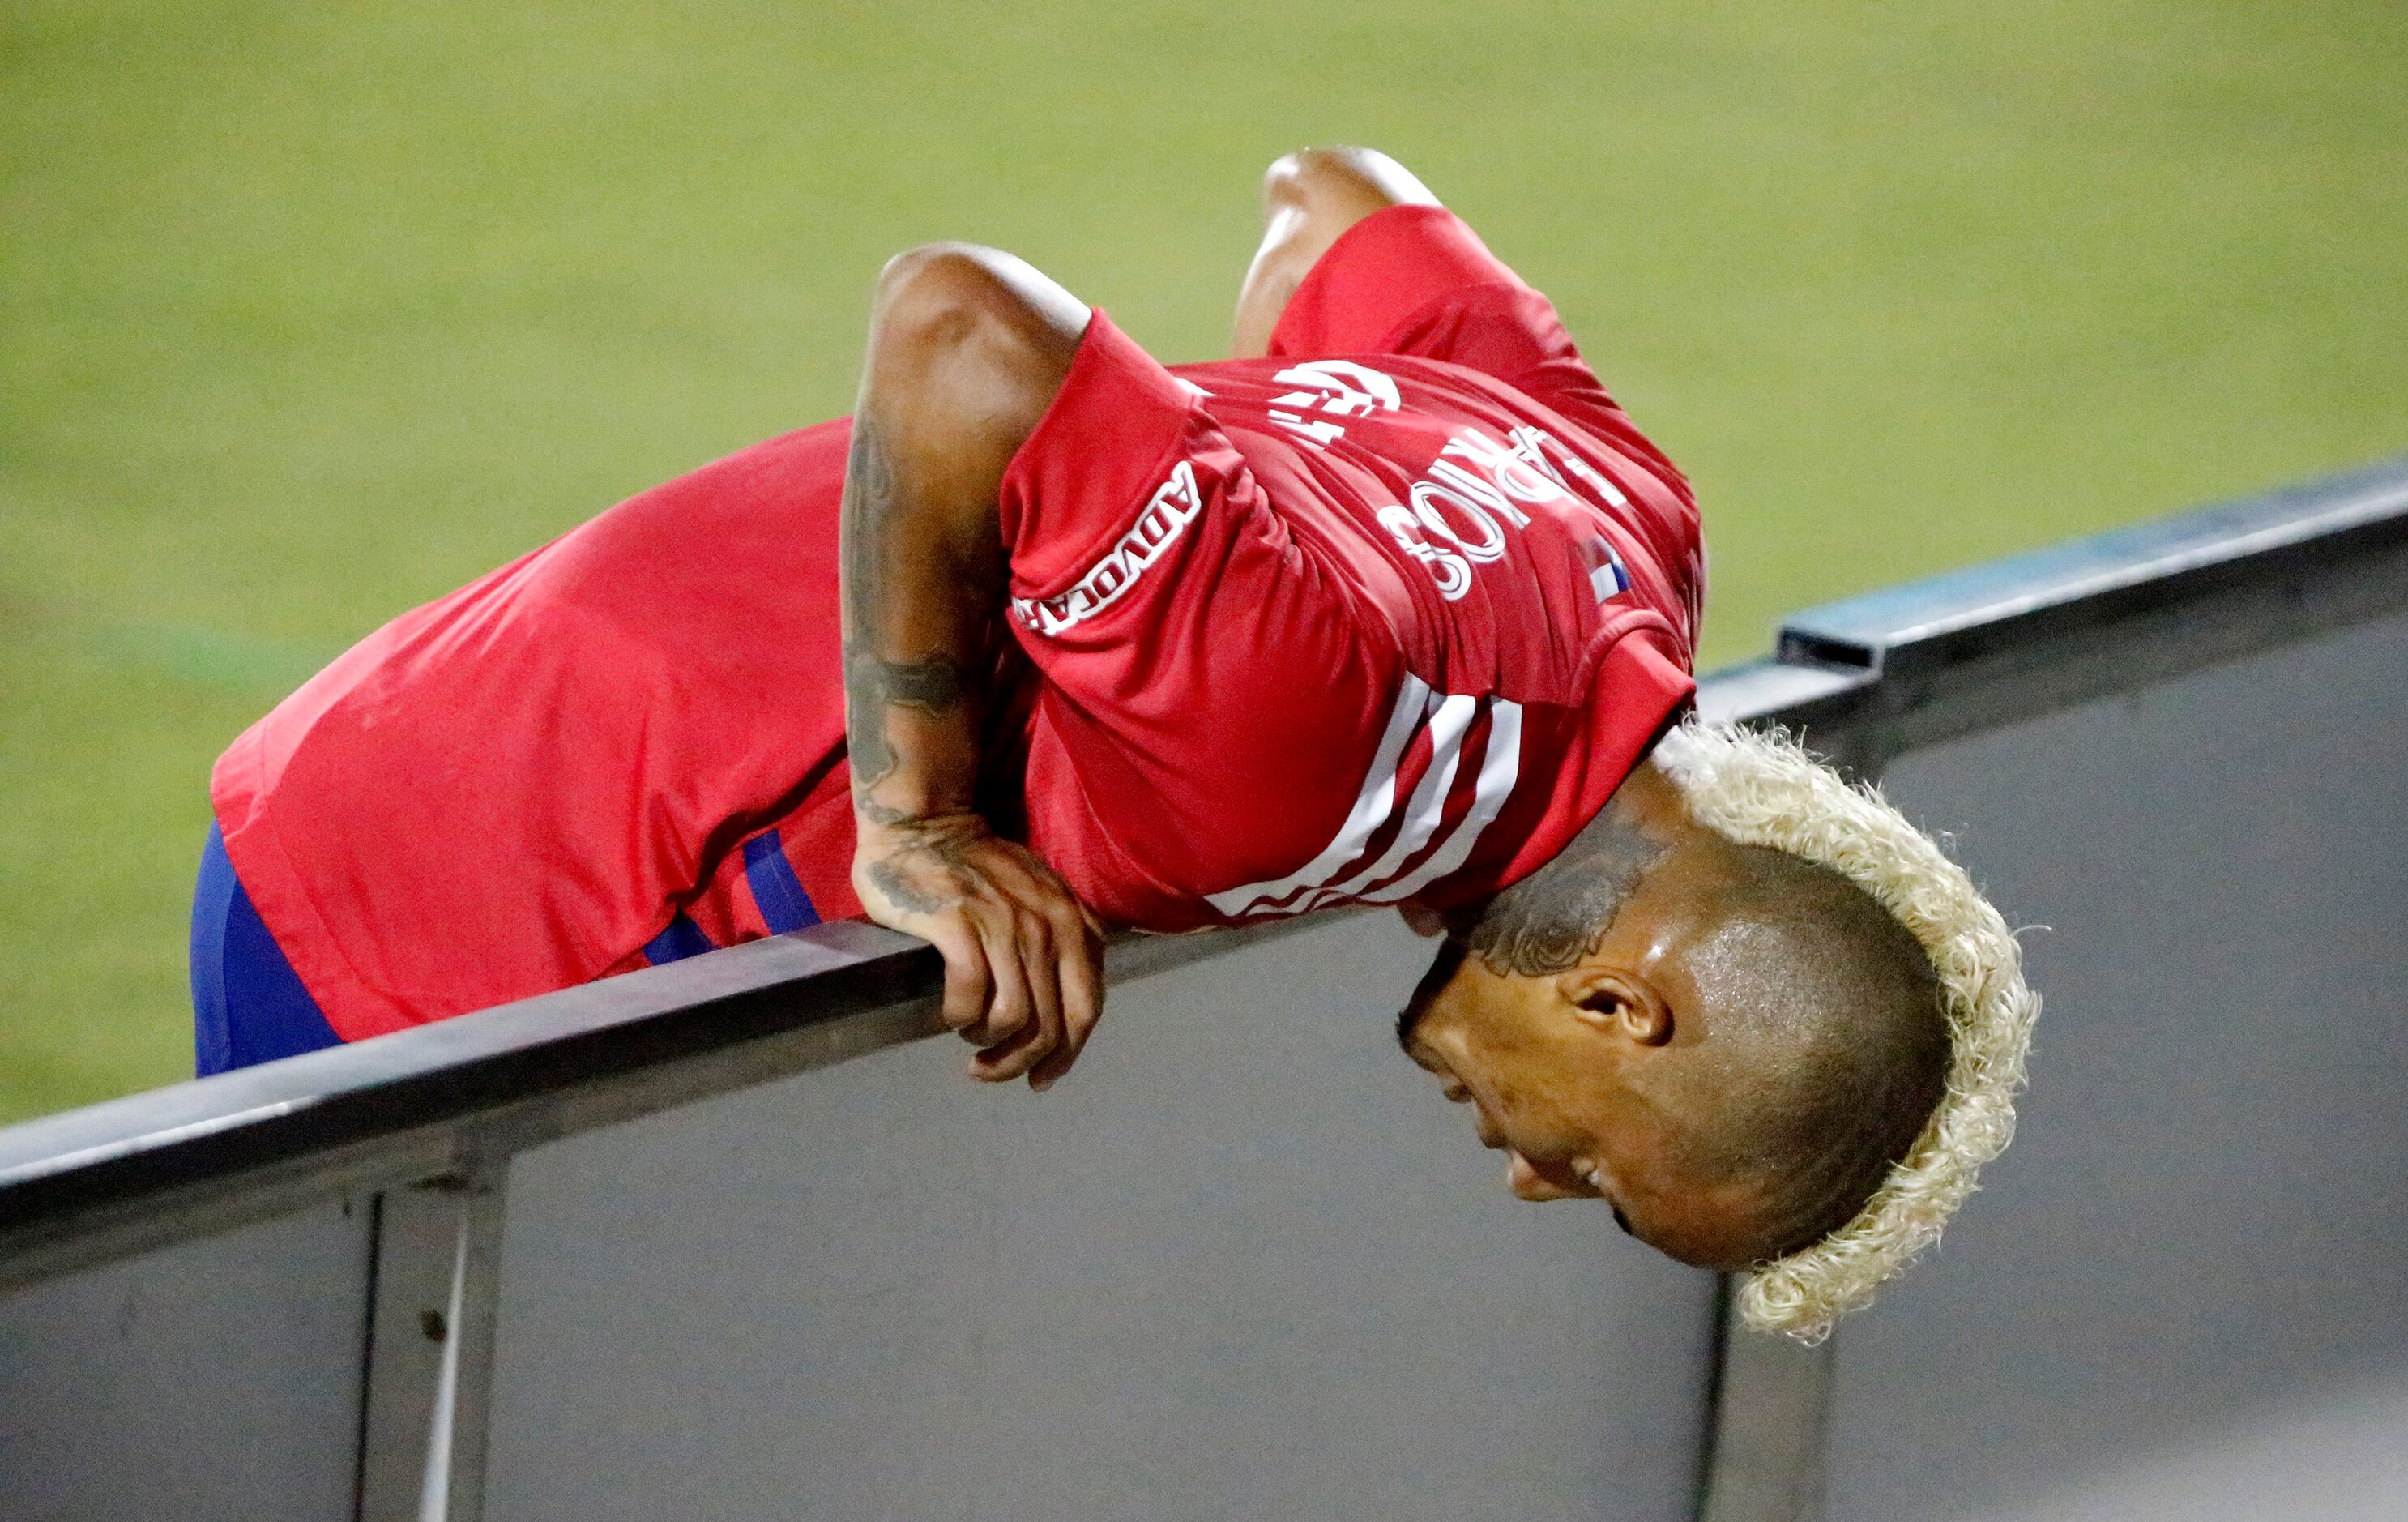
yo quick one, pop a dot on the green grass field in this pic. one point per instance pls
(311, 313)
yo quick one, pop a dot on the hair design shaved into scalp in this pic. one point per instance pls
(1553, 918)
(1763, 790)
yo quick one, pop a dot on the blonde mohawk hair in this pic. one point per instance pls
(1762, 789)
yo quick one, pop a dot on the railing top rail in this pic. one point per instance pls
(253, 1116)
(2102, 579)
(62, 1170)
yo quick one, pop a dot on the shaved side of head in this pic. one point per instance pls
(1763, 789)
(1826, 1049)
(1845, 1021)
(1819, 1046)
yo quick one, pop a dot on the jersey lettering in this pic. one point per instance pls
(1531, 445)
(1174, 506)
(1510, 475)
(1336, 386)
(1462, 509)
(1476, 485)
(1452, 573)
(1487, 542)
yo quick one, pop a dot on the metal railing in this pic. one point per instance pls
(423, 1122)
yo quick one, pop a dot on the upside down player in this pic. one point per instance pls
(1396, 607)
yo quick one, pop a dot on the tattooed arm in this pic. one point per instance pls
(966, 350)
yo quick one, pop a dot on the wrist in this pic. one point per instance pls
(878, 828)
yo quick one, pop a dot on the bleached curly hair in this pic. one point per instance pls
(1763, 788)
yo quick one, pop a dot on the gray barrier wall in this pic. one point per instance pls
(727, 1239)
(2184, 1294)
(216, 1378)
(1244, 1263)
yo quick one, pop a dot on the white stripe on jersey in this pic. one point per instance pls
(1500, 770)
(1372, 805)
(1451, 719)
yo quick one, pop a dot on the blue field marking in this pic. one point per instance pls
(779, 892)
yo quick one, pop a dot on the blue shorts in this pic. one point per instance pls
(248, 1003)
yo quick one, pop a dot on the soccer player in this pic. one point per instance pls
(1395, 607)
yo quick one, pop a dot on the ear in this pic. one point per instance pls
(1617, 1003)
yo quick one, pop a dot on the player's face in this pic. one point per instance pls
(1464, 1027)
(1567, 1103)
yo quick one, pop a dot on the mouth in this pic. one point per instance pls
(1541, 1179)
(1530, 1178)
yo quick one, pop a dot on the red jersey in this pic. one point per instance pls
(1388, 614)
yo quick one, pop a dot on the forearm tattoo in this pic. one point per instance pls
(873, 684)
(934, 685)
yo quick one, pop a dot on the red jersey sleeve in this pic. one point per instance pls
(1198, 669)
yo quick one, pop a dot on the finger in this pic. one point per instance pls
(1035, 882)
(1093, 923)
(993, 953)
(990, 1066)
(1008, 1009)
(1087, 917)
(1036, 960)
(1053, 891)
(1080, 967)
(968, 981)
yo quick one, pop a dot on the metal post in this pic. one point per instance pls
(1765, 1462)
(430, 1349)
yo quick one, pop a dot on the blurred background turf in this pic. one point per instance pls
(312, 312)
